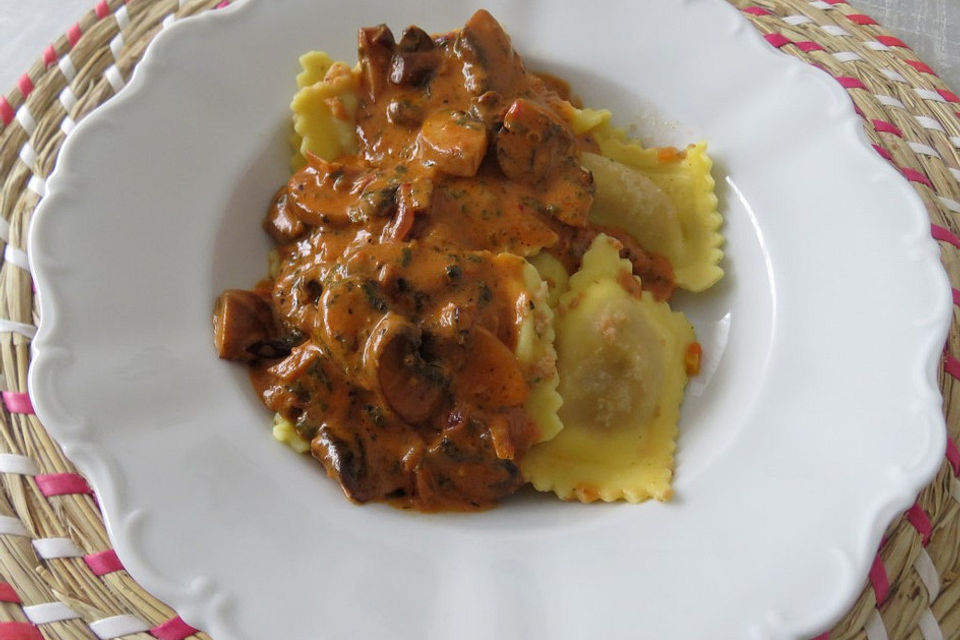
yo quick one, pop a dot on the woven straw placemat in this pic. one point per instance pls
(59, 577)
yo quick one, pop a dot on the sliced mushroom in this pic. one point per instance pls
(534, 147)
(404, 113)
(396, 370)
(325, 193)
(344, 457)
(530, 142)
(377, 202)
(490, 63)
(242, 321)
(273, 348)
(375, 52)
(280, 224)
(462, 466)
(413, 198)
(301, 358)
(491, 373)
(489, 108)
(415, 58)
(415, 39)
(454, 141)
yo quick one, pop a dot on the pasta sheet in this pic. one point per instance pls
(621, 359)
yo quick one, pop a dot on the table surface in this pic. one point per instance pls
(931, 27)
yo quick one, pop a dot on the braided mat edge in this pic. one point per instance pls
(59, 577)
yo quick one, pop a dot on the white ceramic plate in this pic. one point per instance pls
(816, 422)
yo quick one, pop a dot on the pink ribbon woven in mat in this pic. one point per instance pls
(61, 484)
(953, 456)
(8, 594)
(19, 631)
(103, 562)
(879, 580)
(173, 629)
(944, 234)
(921, 522)
(17, 402)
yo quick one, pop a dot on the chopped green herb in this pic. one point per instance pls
(534, 204)
(419, 300)
(372, 291)
(305, 429)
(486, 295)
(318, 373)
(376, 415)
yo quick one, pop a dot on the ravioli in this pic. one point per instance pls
(621, 359)
(629, 200)
(324, 109)
(634, 178)
(554, 275)
(537, 357)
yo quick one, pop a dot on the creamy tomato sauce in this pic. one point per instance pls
(387, 334)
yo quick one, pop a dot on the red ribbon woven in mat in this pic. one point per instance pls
(916, 176)
(49, 56)
(882, 126)
(879, 580)
(921, 522)
(73, 35)
(19, 631)
(922, 67)
(172, 629)
(884, 153)
(808, 45)
(103, 562)
(6, 112)
(949, 96)
(62, 484)
(17, 402)
(777, 40)
(941, 233)
(25, 84)
(953, 456)
(861, 19)
(8, 594)
(951, 365)
(892, 41)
